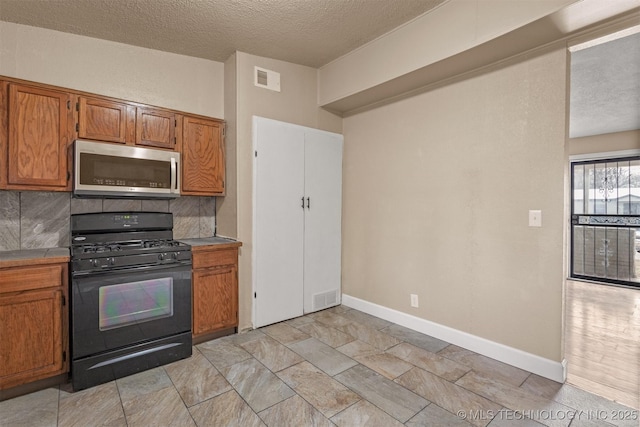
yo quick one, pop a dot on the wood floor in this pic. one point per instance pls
(602, 340)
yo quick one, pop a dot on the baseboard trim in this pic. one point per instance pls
(547, 368)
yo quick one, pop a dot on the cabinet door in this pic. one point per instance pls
(102, 120)
(155, 128)
(31, 330)
(278, 221)
(215, 297)
(39, 133)
(4, 133)
(323, 219)
(202, 157)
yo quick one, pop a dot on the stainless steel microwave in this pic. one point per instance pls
(121, 171)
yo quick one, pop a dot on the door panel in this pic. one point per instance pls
(202, 157)
(155, 128)
(215, 297)
(278, 220)
(102, 120)
(30, 326)
(322, 224)
(38, 137)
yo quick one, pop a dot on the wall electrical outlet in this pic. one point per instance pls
(414, 300)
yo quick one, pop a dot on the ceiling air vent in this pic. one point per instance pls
(267, 79)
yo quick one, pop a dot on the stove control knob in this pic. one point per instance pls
(161, 257)
(94, 262)
(112, 261)
(175, 255)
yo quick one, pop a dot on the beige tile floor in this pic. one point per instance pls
(338, 367)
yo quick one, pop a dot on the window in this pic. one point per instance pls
(605, 220)
(135, 302)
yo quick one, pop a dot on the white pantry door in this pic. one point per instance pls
(323, 219)
(278, 221)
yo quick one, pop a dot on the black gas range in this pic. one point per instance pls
(131, 295)
(111, 241)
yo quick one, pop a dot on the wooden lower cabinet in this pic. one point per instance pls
(215, 291)
(33, 323)
(215, 294)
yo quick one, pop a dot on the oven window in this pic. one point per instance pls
(135, 302)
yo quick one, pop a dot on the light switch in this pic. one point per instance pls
(535, 218)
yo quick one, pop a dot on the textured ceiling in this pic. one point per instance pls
(605, 88)
(307, 32)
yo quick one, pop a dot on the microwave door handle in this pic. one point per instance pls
(174, 186)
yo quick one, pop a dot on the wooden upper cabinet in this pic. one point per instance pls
(40, 130)
(202, 157)
(155, 128)
(102, 120)
(4, 133)
(38, 124)
(113, 121)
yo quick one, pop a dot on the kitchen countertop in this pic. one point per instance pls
(26, 256)
(55, 255)
(211, 241)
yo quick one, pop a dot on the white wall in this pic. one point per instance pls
(132, 73)
(437, 189)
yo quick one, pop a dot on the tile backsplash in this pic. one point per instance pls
(9, 220)
(35, 219)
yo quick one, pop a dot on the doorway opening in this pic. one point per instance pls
(602, 293)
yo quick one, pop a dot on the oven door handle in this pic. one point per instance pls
(130, 269)
(134, 355)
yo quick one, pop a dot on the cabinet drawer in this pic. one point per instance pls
(22, 279)
(215, 258)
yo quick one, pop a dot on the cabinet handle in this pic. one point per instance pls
(308, 202)
(302, 202)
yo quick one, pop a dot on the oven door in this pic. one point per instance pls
(115, 309)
